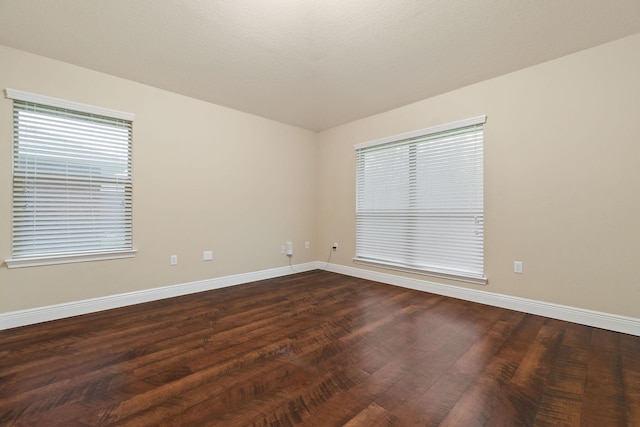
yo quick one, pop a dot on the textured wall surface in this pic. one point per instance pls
(205, 178)
(561, 176)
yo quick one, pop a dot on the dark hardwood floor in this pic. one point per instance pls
(317, 349)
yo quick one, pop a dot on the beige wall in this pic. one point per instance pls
(562, 182)
(205, 178)
(562, 176)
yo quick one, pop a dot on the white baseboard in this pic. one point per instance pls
(53, 312)
(613, 322)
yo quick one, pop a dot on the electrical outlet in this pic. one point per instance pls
(517, 267)
(173, 260)
(306, 245)
(207, 256)
(335, 246)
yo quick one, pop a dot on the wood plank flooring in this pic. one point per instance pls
(317, 349)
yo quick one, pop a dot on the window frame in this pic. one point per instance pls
(93, 254)
(408, 171)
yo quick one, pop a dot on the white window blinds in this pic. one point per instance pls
(72, 183)
(419, 201)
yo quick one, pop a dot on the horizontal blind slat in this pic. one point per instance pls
(72, 181)
(419, 202)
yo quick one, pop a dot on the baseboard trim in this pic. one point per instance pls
(31, 316)
(613, 322)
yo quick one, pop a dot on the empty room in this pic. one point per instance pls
(319, 213)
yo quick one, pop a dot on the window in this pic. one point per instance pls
(419, 201)
(72, 183)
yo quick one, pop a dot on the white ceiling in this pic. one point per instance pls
(312, 63)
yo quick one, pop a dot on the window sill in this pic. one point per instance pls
(441, 275)
(66, 259)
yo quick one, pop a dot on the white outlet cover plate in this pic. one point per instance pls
(517, 267)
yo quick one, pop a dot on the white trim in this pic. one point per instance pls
(422, 132)
(66, 259)
(441, 275)
(20, 95)
(613, 322)
(15, 319)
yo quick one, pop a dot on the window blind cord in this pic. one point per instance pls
(291, 266)
(328, 258)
